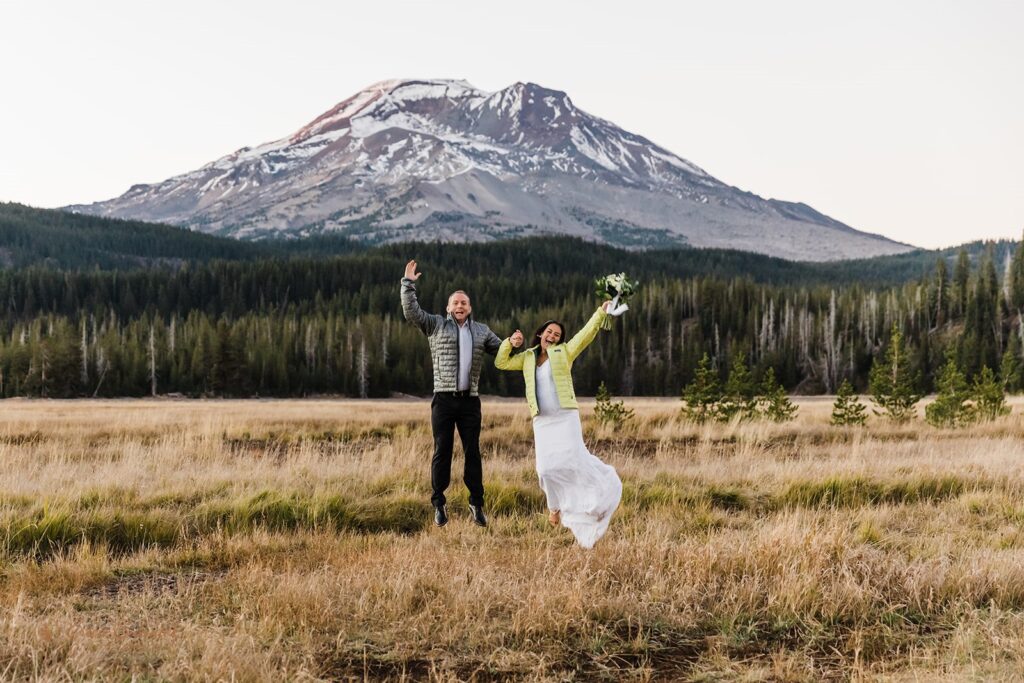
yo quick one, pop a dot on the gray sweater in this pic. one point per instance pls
(443, 335)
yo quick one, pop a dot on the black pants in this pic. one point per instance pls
(446, 413)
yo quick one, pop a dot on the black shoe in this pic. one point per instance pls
(477, 513)
(440, 515)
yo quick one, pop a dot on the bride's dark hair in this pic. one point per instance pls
(540, 330)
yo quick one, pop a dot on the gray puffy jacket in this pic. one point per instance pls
(443, 334)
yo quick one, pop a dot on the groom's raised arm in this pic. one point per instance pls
(428, 322)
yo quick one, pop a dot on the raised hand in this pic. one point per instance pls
(516, 339)
(410, 271)
(614, 308)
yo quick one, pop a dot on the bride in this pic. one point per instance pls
(582, 492)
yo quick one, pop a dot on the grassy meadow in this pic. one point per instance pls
(292, 540)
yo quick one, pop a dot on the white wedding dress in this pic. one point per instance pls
(583, 488)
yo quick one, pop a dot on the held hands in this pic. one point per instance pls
(516, 339)
(614, 308)
(410, 271)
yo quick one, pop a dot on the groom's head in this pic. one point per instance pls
(458, 306)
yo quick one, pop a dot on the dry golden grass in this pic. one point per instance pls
(292, 540)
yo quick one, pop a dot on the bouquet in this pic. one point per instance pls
(617, 287)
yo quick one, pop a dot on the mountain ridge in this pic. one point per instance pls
(442, 160)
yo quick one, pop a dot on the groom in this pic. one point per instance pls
(457, 345)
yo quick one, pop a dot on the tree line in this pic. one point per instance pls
(301, 326)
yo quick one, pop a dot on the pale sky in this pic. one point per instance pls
(900, 118)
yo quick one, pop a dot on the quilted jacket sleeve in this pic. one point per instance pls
(492, 343)
(428, 322)
(505, 360)
(581, 340)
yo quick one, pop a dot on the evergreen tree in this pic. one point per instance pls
(951, 407)
(891, 382)
(961, 277)
(847, 409)
(1017, 277)
(940, 298)
(773, 403)
(740, 395)
(703, 395)
(609, 412)
(1011, 370)
(989, 397)
(988, 324)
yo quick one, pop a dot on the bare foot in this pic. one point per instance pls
(554, 517)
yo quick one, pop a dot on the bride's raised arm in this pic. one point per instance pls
(581, 340)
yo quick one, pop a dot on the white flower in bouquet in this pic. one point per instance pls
(618, 288)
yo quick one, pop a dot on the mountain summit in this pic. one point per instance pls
(441, 160)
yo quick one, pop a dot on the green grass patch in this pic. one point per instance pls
(277, 438)
(120, 525)
(50, 532)
(287, 512)
(402, 516)
(857, 492)
(668, 492)
(512, 499)
(503, 499)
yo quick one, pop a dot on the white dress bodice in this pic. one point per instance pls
(547, 395)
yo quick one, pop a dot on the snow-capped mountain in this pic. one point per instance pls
(441, 160)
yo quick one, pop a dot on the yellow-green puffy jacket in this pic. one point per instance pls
(560, 356)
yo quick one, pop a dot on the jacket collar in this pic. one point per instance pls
(469, 318)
